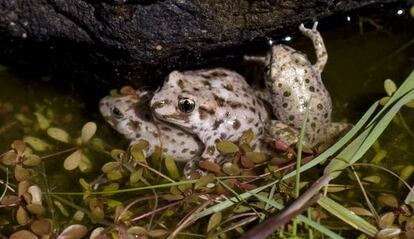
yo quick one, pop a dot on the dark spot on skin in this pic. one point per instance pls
(210, 150)
(138, 135)
(236, 124)
(285, 105)
(234, 105)
(222, 136)
(203, 114)
(164, 150)
(207, 76)
(286, 94)
(313, 125)
(182, 143)
(193, 152)
(174, 151)
(320, 106)
(280, 84)
(180, 134)
(219, 74)
(252, 109)
(307, 80)
(206, 83)
(220, 101)
(180, 84)
(210, 112)
(165, 128)
(173, 140)
(312, 89)
(134, 125)
(291, 117)
(325, 115)
(195, 89)
(228, 87)
(217, 123)
(184, 150)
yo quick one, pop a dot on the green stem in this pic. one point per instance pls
(299, 161)
(405, 125)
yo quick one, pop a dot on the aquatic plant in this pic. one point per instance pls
(137, 196)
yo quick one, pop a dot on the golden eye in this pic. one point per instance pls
(186, 105)
(117, 113)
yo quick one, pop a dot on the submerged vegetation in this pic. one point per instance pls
(64, 176)
(134, 196)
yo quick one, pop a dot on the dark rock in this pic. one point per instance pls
(107, 42)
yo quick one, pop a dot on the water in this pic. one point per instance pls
(372, 46)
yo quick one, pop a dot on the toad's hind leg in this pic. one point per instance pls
(318, 44)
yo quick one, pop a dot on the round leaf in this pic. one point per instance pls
(58, 134)
(389, 87)
(73, 232)
(255, 157)
(88, 131)
(227, 147)
(73, 160)
(36, 143)
(171, 167)
(410, 104)
(36, 193)
(32, 160)
(19, 146)
(85, 164)
(44, 123)
(21, 173)
(9, 158)
(23, 234)
(41, 227)
(36, 209)
(214, 221)
(21, 216)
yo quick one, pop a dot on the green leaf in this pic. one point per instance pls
(171, 167)
(58, 134)
(227, 147)
(72, 161)
(36, 143)
(44, 122)
(390, 87)
(214, 221)
(347, 216)
(88, 131)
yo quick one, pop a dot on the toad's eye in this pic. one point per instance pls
(186, 105)
(117, 113)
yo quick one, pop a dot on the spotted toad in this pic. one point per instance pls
(293, 82)
(130, 115)
(214, 105)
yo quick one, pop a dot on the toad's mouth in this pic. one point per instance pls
(173, 119)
